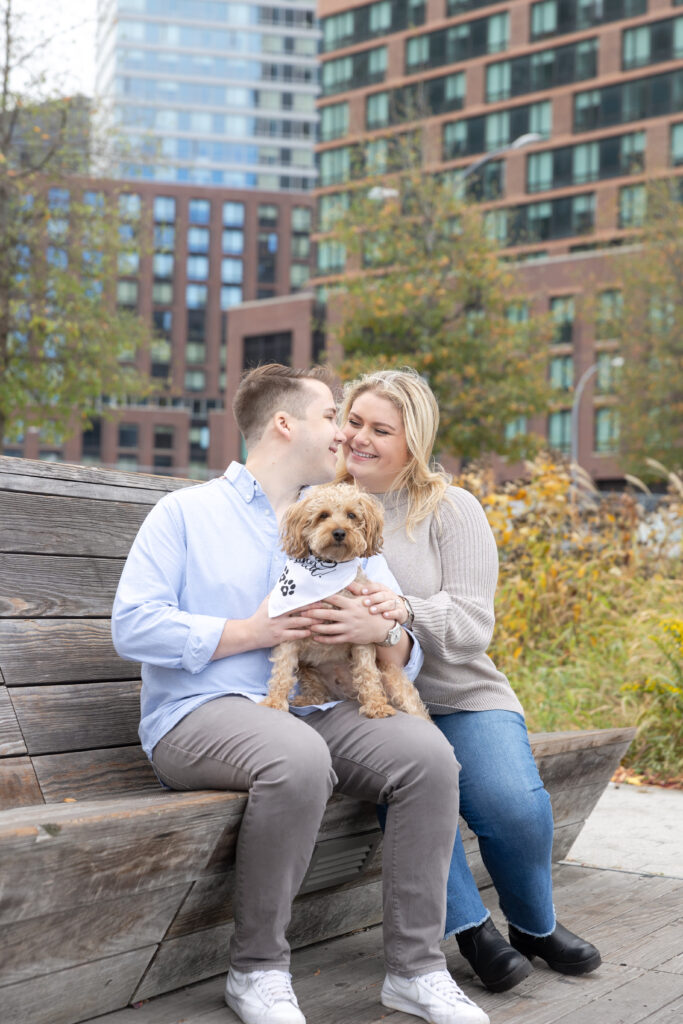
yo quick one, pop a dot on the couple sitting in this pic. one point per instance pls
(192, 606)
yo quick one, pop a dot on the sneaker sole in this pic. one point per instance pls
(395, 1002)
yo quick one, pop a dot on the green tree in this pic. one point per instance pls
(423, 286)
(64, 341)
(647, 320)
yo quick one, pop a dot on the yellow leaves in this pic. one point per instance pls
(517, 651)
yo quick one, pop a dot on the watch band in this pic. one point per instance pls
(411, 614)
(392, 637)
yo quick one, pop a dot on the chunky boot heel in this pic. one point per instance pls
(497, 965)
(562, 950)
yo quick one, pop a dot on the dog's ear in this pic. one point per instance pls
(374, 523)
(293, 530)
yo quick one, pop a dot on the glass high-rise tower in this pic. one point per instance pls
(211, 92)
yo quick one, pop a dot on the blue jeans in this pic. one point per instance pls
(503, 801)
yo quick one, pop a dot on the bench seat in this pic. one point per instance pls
(113, 890)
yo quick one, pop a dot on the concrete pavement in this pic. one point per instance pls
(634, 828)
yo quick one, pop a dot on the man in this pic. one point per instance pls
(192, 607)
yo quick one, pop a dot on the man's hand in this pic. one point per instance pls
(260, 630)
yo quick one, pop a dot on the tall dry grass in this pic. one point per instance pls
(589, 608)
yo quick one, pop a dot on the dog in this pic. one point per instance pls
(324, 536)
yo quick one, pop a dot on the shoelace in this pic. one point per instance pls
(274, 987)
(441, 983)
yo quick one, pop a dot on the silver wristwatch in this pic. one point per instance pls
(411, 614)
(392, 637)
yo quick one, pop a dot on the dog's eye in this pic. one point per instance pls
(351, 515)
(323, 515)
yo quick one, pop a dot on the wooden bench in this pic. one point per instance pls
(113, 890)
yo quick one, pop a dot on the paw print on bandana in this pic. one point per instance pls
(287, 584)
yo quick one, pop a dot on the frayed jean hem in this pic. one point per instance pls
(466, 927)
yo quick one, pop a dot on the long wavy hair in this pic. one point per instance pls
(422, 479)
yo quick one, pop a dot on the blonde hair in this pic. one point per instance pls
(422, 479)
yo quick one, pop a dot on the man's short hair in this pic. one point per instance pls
(265, 389)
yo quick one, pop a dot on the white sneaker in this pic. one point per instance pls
(435, 997)
(263, 997)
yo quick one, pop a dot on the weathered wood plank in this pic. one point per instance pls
(35, 468)
(46, 524)
(543, 743)
(75, 489)
(576, 767)
(18, 783)
(67, 997)
(60, 650)
(11, 739)
(101, 850)
(33, 586)
(95, 774)
(82, 934)
(180, 961)
(83, 715)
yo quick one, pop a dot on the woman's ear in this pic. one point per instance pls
(293, 530)
(374, 523)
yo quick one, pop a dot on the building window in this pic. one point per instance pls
(632, 206)
(651, 44)
(515, 428)
(196, 296)
(301, 218)
(198, 240)
(363, 68)
(128, 435)
(195, 380)
(198, 268)
(298, 275)
(629, 101)
(230, 296)
(331, 208)
(562, 312)
(335, 165)
(162, 463)
(493, 131)
(127, 463)
(559, 430)
(199, 211)
(543, 70)
(607, 375)
(677, 144)
(606, 430)
(233, 214)
(331, 257)
(163, 264)
(163, 436)
(127, 294)
(91, 442)
(334, 121)
(587, 161)
(267, 348)
(610, 304)
(195, 352)
(267, 215)
(233, 242)
(162, 293)
(164, 209)
(231, 271)
(457, 43)
(561, 373)
(130, 206)
(558, 17)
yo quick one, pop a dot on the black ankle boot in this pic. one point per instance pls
(497, 964)
(562, 950)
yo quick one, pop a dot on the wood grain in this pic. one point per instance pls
(95, 774)
(33, 586)
(18, 784)
(78, 993)
(60, 650)
(11, 739)
(57, 525)
(84, 715)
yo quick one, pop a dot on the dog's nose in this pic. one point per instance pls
(339, 535)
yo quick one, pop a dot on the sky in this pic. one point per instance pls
(69, 57)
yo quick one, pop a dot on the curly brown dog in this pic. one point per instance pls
(333, 524)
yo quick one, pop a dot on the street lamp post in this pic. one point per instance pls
(616, 361)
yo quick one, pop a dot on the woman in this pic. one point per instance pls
(442, 552)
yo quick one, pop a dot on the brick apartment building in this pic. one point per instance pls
(599, 86)
(221, 282)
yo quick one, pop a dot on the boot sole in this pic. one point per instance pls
(562, 967)
(515, 976)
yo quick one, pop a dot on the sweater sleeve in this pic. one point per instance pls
(456, 624)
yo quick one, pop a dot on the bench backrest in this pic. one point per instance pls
(69, 706)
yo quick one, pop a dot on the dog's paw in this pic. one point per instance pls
(376, 711)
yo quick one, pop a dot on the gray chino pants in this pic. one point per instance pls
(290, 765)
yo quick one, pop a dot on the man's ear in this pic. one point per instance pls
(282, 423)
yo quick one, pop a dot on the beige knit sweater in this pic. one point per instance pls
(449, 573)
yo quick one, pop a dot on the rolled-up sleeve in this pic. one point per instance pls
(148, 624)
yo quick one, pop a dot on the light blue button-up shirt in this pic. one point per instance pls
(204, 555)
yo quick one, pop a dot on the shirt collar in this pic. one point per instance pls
(246, 485)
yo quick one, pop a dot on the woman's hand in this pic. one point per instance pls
(380, 600)
(347, 621)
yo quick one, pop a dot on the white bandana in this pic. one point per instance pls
(305, 580)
